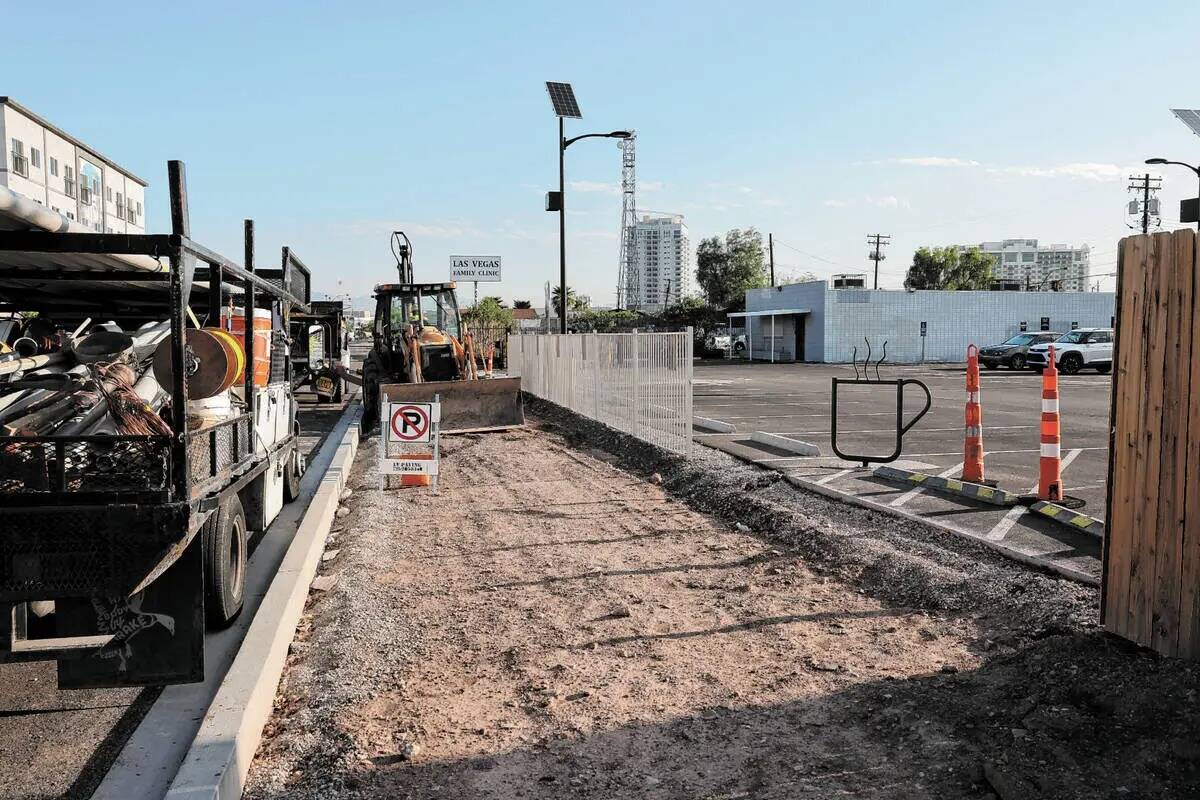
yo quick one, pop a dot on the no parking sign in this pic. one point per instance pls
(406, 424)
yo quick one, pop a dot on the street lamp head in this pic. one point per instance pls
(620, 135)
(1156, 161)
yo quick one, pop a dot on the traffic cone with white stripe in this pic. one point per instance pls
(973, 447)
(1050, 486)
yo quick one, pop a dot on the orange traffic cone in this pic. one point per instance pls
(973, 446)
(1050, 472)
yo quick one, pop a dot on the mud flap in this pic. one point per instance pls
(159, 631)
(482, 405)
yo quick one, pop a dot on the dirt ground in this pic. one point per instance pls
(578, 615)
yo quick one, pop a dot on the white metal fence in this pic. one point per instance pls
(639, 383)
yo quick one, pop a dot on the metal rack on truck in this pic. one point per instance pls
(116, 549)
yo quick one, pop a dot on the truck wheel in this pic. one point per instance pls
(1071, 363)
(291, 476)
(225, 556)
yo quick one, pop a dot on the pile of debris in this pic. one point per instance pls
(60, 382)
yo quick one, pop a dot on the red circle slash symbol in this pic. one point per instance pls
(410, 423)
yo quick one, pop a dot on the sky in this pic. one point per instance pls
(332, 125)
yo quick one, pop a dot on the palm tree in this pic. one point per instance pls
(522, 304)
(574, 302)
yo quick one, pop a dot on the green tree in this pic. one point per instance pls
(574, 301)
(490, 312)
(498, 301)
(522, 304)
(950, 268)
(726, 269)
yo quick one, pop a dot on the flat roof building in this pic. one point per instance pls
(814, 322)
(46, 164)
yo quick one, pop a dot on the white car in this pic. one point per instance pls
(1082, 348)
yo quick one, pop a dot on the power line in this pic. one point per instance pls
(880, 240)
(1147, 205)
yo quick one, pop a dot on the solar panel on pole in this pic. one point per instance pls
(1189, 117)
(563, 98)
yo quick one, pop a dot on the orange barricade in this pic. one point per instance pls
(973, 446)
(1050, 473)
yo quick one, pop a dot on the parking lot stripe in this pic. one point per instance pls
(833, 476)
(1001, 528)
(911, 493)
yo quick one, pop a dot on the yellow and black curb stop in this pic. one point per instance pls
(1080, 522)
(972, 491)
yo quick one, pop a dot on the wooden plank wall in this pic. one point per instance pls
(1151, 588)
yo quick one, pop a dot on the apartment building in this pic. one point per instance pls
(44, 163)
(664, 261)
(1037, 267)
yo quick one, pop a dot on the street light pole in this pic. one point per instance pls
(562, 229)
(1159, 161)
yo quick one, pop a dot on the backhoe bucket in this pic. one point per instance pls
(490, 404)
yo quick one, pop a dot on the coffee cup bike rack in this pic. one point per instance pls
(902, 427)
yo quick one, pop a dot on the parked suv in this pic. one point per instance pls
(1079, 349)
(1012, 351)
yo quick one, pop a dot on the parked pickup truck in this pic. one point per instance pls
(1082, 348)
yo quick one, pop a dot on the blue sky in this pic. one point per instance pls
(333, 124)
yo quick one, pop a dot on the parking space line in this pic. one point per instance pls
(918, 430)
(833, 476)
(1001, 528)
(911, 493)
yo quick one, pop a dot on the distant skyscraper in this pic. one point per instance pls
(664, 261)
(1036, 266)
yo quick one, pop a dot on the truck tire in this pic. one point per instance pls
(1071, 363)
(292, 476)
(370, 401)
(225, 554)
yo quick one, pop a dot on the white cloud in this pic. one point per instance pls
(888, 201)
(839, 203)
(935, 161)
(1082, 171)
(650, 186)
(745, 190)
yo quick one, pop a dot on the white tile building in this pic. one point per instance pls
(664, 261)
(813, 322)
(1034, 266)
(44, 163)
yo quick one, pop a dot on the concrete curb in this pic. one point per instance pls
(1061, 514)
(219, 758)
(714, 425)
(972, 491)
(785, 443)
(1008, 552)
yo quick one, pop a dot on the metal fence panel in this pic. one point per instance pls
(638, 383)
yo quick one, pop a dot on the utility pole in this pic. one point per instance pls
(880, 241)
(771, 250)
(1146, 185)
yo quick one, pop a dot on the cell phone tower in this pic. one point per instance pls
(629, 293)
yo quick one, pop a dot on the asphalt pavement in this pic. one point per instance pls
(795, 400)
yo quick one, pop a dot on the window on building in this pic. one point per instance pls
(35, 158)
(139, 208)
(1010, 258)
(108, 193)
(1028, 258)
(54, 166)
(20, 164)
(69, 182)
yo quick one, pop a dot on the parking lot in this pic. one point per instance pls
(795, 400)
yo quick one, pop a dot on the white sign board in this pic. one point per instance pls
(406, 424)
(409, 466)
(412, 422)
(474, 268)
